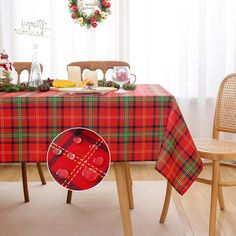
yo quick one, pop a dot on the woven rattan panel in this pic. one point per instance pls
(215, 146)
(226, 105)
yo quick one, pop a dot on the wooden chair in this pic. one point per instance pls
(104, 66)
(19, 67)
(94, 65)
(216, 150)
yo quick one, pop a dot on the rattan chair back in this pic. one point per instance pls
(21, 66)
(225, 113)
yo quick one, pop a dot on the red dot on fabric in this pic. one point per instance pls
(89, 174)
(77, 140)
(98, 161)
(62, 173)
(71, 155)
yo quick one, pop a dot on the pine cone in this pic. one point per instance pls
(23, 85)
(109, 84)
(43, 87)
(49, 81)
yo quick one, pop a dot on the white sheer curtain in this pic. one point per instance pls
(67, 41)
(188, 46)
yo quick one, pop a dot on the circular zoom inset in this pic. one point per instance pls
(78, 159)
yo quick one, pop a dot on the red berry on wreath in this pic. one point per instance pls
(73, 16)
(96, 12)
(93, 20)
(104, 3)
(74, 8)
(108, 4)
(94, 25)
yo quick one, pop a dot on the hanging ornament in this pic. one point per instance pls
(89, 13)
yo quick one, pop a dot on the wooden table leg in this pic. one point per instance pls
(121, 184)
(24, 181)
(42, 178)
(69, 196)
(129, 185)
(166, 203)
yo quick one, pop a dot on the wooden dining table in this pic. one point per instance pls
(142, 125)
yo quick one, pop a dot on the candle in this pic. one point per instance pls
(91, 75)
(74, 74)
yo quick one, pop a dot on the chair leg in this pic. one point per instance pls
(123, 197)
(166, 203)
(221, 196)
(24, 181)
(214, 194)
(129, 185)
(42, 178)
(69, 196)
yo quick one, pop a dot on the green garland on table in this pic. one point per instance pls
(104, 83)
(99, 13)
(16, 88)
(8, 87)
(47, 83)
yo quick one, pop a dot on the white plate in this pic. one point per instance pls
(101, 90)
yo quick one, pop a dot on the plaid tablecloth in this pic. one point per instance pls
(141, 125)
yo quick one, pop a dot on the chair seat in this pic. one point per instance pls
(216, 149)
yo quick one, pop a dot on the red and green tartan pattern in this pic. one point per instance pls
(178, 160)
(141, 125)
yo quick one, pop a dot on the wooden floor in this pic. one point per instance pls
(193, 207)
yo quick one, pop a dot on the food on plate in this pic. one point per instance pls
(109, 84)
(63, 83)
(86, 83)
(101, 83)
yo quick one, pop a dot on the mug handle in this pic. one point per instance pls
(134, 76)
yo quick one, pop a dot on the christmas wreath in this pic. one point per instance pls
(89, 13)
